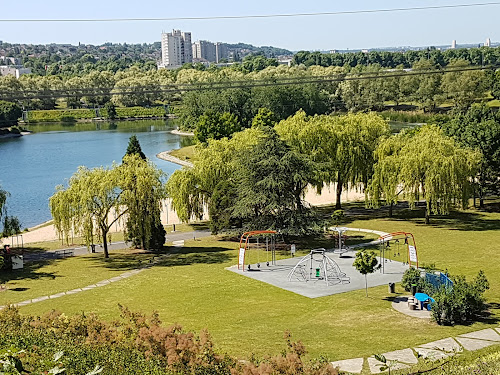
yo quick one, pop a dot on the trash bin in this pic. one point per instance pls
(413, 289)
(392, 288)
(92, 247)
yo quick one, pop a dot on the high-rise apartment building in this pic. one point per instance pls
(488, 42)
(176, 49)
(204, 50)
(454, 44)
(220, 52)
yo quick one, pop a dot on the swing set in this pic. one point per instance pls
(245, 245)
(397, 237)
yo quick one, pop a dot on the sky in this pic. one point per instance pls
(348, 31)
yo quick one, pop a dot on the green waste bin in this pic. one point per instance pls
(318, 272)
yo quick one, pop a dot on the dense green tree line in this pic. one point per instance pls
(257, 179)
(319, 90)
(406, 59)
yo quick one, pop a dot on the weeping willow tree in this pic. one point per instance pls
(424, 165)
(341, 146)
(143, 191)
(95, 199)
(190, 189)
(3, 198)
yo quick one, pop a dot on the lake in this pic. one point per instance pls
(33, 165)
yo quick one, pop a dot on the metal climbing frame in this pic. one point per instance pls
(342, 248)
(244, 242)
(317, 266)
(412, 249)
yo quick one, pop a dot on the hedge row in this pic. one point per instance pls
(70, 115)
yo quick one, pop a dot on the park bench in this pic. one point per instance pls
(64, 253)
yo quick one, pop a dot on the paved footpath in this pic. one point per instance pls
(83, 250)
(177, 239)
(432, 351)
(405, 357)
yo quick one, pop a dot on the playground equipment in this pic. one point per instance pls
(397, 237)
(341, 246)
(244, 247)
(317, 266)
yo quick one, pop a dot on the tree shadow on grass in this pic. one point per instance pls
(29, 272)
(175, 256)
(456, 220)
(186, 256)
(125, 262)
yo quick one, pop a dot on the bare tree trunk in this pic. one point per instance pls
(105, 242)
(390, 209)
(338, 201)
(366, 285)
(428, 213)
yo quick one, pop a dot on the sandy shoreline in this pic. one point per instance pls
(165, 155)
(180, 132)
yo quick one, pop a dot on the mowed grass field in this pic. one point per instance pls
(245, 316)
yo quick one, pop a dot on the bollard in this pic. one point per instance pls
(392, 288)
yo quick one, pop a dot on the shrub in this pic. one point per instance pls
(462, 303)
(136, 344)
(9, 113)
(410, 277)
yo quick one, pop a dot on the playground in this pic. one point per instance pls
(277, 275)
(321, 272)
(192, 287)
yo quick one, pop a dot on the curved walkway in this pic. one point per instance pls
(180, 132)
(432, 351)
(165, 155)
(372, 231)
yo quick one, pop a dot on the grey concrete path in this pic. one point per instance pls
(401, 304)
(277, 275)
(433, 351)
(120, 245)
(101, 283)
(177, 239)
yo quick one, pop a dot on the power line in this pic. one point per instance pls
(224, 85)
(285, 15)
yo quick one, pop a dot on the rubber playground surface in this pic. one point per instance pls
(278, 275)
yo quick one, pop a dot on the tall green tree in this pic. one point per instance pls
(479, 128)
(134, 147)
(215, 125)
(9, 113)
(190, 189)
(97, 198)
(463, 88)
(3, 199)
(143, 193)
(270, 182)
(340, 146)
(366, 262)
(424, 164)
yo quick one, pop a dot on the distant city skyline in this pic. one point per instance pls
(340, 32)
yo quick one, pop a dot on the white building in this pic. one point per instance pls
(14, 70)
(488, 42)
(454, 44)
(204, 50)
(176, 49)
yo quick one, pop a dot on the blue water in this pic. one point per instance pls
(33, 165)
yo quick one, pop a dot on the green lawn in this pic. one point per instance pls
(51, 277)
(245, 316)
(185, 153)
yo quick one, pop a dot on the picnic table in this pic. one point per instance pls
(423, 298)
